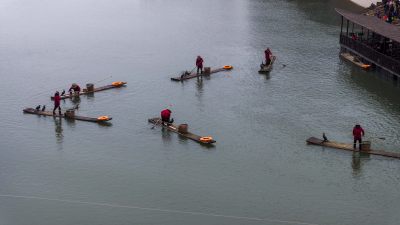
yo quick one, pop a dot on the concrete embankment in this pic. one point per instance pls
(364, 3)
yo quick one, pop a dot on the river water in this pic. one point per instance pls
(260, 171)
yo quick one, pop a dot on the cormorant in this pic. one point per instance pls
(324, 137)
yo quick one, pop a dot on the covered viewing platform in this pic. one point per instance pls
(372, 40)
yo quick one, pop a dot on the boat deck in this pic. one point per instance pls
(103, 88)
(157, 121)
(194, 74)
(48, 113)
(349, 147)
(267, 68)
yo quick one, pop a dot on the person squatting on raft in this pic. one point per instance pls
(165, 117)
(358, 132)
(75, 88)
(57, 100)
(268, 56)
(199, 64)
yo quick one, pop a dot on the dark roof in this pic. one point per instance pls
(373, 23)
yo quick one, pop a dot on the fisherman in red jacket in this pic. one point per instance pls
(358, 132)
(165, 116)
(199, 64)
(57, 100)
(74, 89)
(268, 56)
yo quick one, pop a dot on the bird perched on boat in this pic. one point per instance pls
(324, 137)
(44, 107)
(185, 73)
(37, 108)
(63, 93)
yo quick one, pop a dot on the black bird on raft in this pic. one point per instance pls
(63, 93)
(44, 107)
(37, 108)
(324, 137)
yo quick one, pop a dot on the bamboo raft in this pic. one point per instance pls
(194, 74)
(103, 88)
(83, 118)
(355, 60)
(349, 147)
(157, 121)
(267, 68)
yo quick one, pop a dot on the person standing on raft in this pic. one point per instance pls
(74, 89)
(268, 56)
(57, 100)
(165, 116)
(358, 132)
(199, 64)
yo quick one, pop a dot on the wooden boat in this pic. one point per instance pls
(349, 147)
(116, 84)
(355, 60)
(194, 74)
(267, 68)
(157, 121)
(100, 119)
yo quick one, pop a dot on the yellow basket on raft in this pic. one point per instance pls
(228, 67)
(117, 83)
(206, 139)
(103, 118)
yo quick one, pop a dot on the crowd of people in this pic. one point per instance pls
(391, 11)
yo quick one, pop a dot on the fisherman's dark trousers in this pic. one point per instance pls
(355, 143)
(199, 68)
(55, 107)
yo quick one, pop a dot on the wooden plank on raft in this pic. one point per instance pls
(103, 88)
(194, 74)
(83, 118)
(267, 68)
(157, 121)
(349, 147)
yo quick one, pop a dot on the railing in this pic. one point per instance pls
(376, 57)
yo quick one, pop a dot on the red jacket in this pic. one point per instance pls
(358, 132)
(57, 100)
(199, 62)
(166, 113)
(268, 54)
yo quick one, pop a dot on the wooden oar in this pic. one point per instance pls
(382, 138)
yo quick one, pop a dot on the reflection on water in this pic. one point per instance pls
(199, 88)
(356, 164)
(105, 124)
(58, 130)
(76, 99)
(358, 158)
(371, 81)
(90, 95)
(166, 135)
